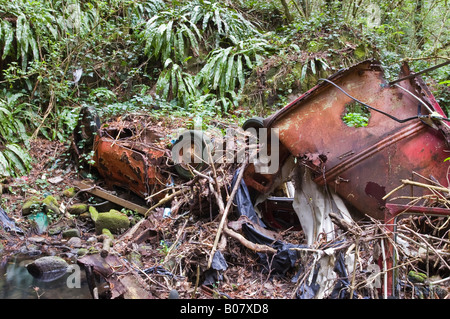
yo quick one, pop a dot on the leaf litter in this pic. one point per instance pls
(163, 253)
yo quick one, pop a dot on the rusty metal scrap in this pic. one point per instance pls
(363, 164)
(125, 161)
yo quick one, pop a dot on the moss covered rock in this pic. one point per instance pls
(113, 220)
(94, 213)
(77, 209)
(55, 230)
(69, 233)
(51, 205)
(31, 205)
(69, 192)
(82, 251)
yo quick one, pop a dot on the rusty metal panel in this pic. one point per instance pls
(129, 164)
(363, 164)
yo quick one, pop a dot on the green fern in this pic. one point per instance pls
(220, 23)
(226, 68)
(14, 159)
(30, 24)
(313, 64)
(170, 34)
(142, 11)
(173, 83)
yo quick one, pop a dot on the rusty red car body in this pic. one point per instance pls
(362, 164)
(128, 161)
(403, 139)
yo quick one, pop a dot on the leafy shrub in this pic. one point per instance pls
(14, 158)
(170, 34)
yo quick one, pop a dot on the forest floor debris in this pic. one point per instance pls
(195, 246)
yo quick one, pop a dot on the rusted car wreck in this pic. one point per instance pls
(332, 168)
(406, 136)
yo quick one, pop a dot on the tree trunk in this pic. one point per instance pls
(287, 13)
(418, 25)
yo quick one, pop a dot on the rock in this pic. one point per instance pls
(74, 242)
(56, 180)
(94, 213)
(31, 205)
(69, 233)
(174, 294)
(91, 240)
(55, 230)
(48, 268)
(69, 192)
(51, 205)
(36, 239)
(30, 250)
(77, 209)
(113, 220)
(81, 252)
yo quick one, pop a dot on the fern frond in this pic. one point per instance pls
(4, 166)
(18, 159)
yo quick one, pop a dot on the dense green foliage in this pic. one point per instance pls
(198, 58)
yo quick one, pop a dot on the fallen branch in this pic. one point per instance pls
(225, 213)
(438, 188)
(180, 233)
(345, 225)
(414, 183)
(106, 246)
(250, 245)
(427, 244)
(166, 199)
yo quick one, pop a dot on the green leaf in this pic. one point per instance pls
(220, 66)
(18, 159)
(240, 71)
(303, 74)
(159, 37)
(248, 61)
(313, 66)
(4, 166)
(195, 14)
(167, 63)
(168, 41)
(218, 21)
(20, 24)
(9, 37)
(192, 39)
(230, 65)
(166, 81)
(180, 46)
(206, 20)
